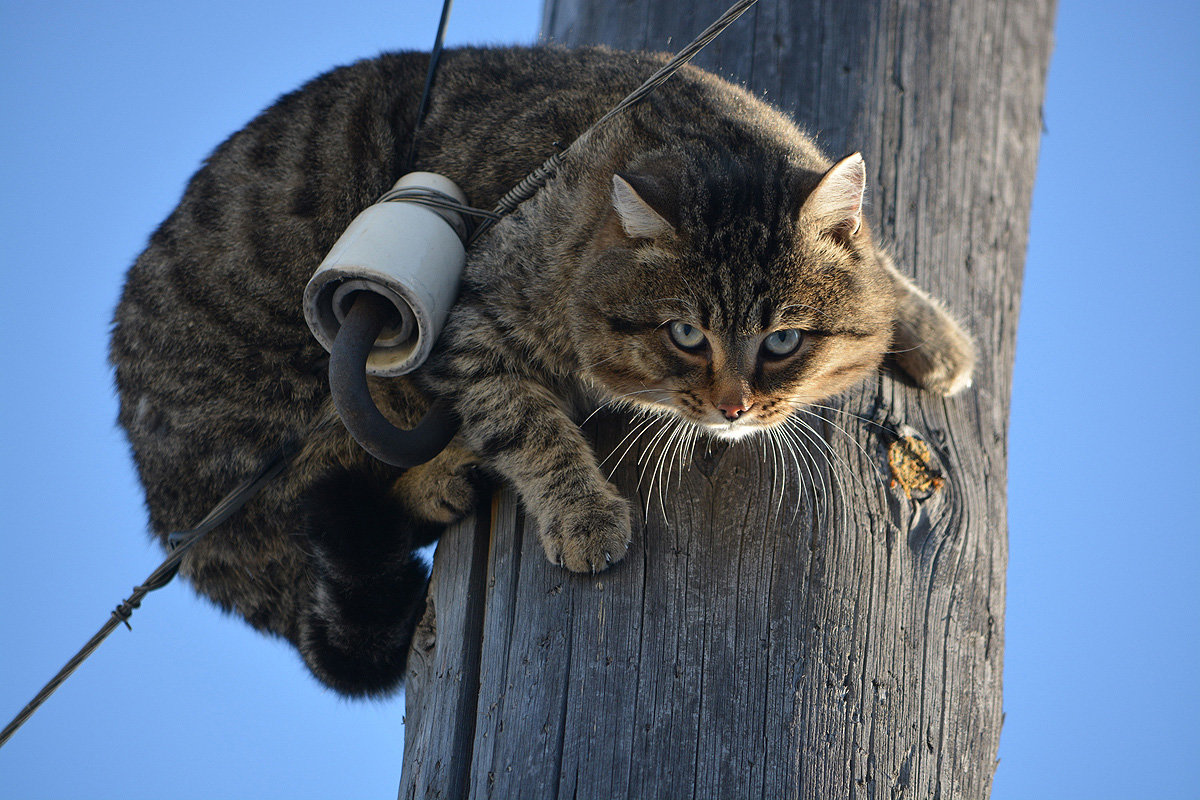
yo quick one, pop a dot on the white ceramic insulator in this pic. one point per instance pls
(406, 252)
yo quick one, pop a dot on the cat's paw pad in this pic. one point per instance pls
(444, 490)
(591, 535)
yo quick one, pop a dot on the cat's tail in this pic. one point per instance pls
(368, 584)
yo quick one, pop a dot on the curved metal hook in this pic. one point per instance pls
(348, 383)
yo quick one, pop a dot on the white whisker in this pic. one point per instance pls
(634, 434)
(776, 471)
(619, 400)
(853, 415)
(663, 471)
(645, 456)
(802, 435)
(861, 449)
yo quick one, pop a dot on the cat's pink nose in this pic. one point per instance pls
(733, 410)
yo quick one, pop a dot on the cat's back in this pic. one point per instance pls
(267, 204)
(214, 362)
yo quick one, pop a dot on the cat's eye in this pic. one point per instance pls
(782, 343)
(688, 337)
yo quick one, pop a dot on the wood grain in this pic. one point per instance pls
(781, 629)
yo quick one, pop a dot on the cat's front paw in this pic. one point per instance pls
(942, 361)
(928, 343)
(589, 535)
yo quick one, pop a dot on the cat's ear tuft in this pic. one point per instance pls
(639, 217)
(836, 204)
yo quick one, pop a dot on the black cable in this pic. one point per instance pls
(348, 384)
(434, 57)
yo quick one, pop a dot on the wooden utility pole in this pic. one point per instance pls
(838, 643)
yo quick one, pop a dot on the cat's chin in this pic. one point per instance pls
(730, 431)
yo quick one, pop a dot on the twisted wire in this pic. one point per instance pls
(528, 187)
(179, 542)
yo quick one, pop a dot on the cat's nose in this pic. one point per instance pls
(733, 410)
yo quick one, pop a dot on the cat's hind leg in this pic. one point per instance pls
(444, 489)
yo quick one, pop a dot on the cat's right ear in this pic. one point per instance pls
(638, 216)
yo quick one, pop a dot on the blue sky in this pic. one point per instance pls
(109, 107)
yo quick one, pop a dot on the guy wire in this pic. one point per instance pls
(179, 542)
(528, 187)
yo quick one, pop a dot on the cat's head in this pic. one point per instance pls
(732, 296)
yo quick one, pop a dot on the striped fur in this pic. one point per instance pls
(565, 299)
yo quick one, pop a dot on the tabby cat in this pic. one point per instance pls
(701, 258)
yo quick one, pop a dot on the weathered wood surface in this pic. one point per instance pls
(831, 643)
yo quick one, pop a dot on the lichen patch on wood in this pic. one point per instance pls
(913, 469)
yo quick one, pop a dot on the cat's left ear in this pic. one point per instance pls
(836, 204)
(634, 206)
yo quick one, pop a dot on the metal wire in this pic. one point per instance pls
(180, 542)
(528, 187)
(430, 197)
(464, 226)
(682, 57)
